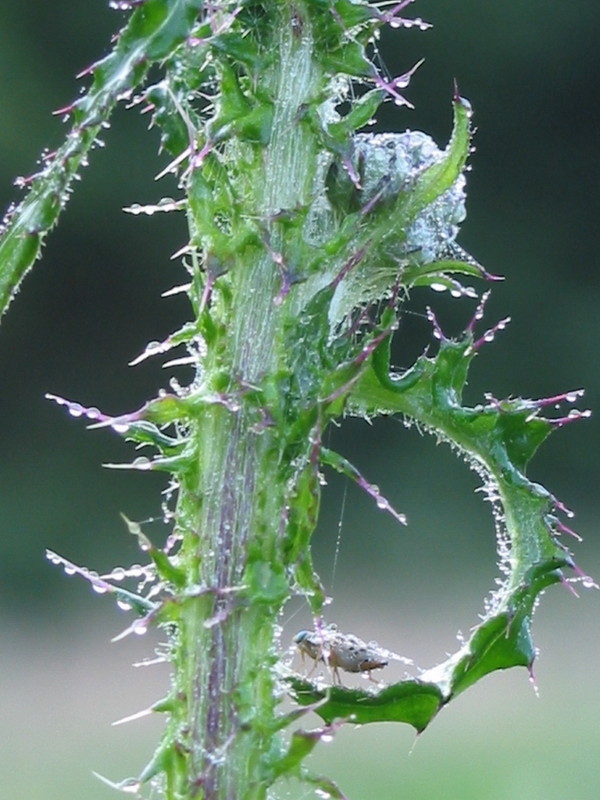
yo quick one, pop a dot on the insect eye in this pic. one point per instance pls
(300, 636)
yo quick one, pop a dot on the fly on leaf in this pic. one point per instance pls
(340, 651)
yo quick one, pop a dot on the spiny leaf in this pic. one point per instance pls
(154, 30)
(414, 702)
(436, 179)
(498, 440)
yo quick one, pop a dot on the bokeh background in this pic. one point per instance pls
(531, 71)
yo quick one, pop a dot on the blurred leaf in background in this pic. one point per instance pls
(531, 73)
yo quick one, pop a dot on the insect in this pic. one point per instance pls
(340, 651)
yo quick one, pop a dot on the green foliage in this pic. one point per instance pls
(152, 34)
(306, 237)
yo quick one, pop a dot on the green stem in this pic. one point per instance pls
(231, 511)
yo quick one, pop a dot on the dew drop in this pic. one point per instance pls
(140, 627)
(438, 287)
(99, 588)
(571, 397)
(176, 386)
(130, 787)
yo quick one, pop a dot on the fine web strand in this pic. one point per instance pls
(338, 540)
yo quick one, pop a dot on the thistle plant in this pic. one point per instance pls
(306, 237)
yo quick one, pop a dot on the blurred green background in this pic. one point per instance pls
(532, 72)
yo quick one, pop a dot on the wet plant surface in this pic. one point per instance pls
(306, 238)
